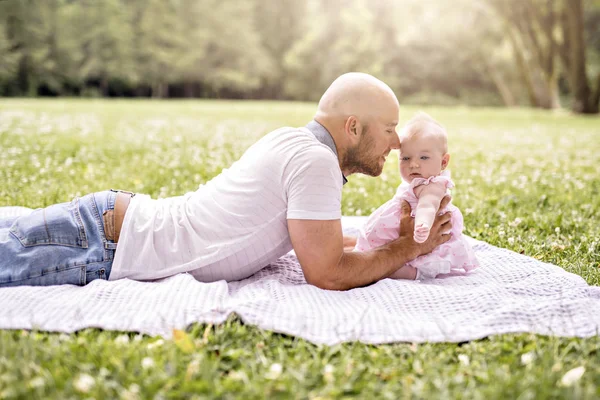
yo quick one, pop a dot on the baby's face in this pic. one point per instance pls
(421, 157)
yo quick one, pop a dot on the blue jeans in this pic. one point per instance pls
(60, 244)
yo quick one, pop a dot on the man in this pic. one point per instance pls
(283, 193)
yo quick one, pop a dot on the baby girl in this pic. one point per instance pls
(423, 161)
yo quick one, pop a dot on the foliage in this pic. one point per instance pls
(463, 52)
(526, 180)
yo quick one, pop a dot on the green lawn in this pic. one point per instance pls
(526, 180)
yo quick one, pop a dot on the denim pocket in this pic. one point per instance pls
(59, 224)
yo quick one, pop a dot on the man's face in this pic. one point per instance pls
(377, 140)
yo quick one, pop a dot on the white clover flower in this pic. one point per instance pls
(84, 383)
(557, 229)
(274, 371)
(158, 343)
(328, 373)
(122, 340)
(464, 359)
(527, 358)
(572, 376)
(511, 240)
(37, 382)
(238, 375)
(132, 393)
(193, 367)
(147, 363)
(516, 222)
(63, 337)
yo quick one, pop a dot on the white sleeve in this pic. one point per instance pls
(313, 182)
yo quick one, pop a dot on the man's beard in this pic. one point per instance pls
(359, 158)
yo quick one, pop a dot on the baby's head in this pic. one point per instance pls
(423, 148)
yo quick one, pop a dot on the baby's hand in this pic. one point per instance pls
(421, 232)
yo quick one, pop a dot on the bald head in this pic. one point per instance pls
(361, 113)
(357, 94)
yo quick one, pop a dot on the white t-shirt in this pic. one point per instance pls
(235, 224)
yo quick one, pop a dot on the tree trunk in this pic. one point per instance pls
(188, 90)
(549, 62)
(596, 97)
(523, 69)
(554, 93)
(104, 86)
(582, 96)
(530, 29)
(160, 90)
(501, 86)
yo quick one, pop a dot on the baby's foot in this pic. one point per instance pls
(421, 233)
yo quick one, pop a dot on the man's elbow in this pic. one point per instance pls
(325, 282)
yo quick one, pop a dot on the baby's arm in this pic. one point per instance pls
(427, 207)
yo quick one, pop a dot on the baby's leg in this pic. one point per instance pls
(424, 218)
(405, 272)
(429, 202)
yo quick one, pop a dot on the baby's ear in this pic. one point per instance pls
(445, 160)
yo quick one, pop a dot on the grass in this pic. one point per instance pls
(526, 180)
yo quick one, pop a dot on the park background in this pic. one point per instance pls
(538, 53)
(159, 96)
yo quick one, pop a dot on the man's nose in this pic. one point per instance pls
(395, 145)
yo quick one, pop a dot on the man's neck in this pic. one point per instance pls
(324, 135)
(334, 132)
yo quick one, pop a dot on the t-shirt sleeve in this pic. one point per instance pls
(314, 185)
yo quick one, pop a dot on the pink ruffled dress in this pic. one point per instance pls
(455, 257)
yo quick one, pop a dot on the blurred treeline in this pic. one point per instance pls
(543, 53)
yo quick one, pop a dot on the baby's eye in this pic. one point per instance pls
(424, 158)
(405, 158)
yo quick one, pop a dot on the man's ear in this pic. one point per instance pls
(353, 128)
(445, 160)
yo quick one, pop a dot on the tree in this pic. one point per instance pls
(586, 99)
(8, 59)
(279, 25)
(103, 41)
(530, 26)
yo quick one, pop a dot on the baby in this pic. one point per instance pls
(423, 161)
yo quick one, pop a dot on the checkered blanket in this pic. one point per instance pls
(509, 293)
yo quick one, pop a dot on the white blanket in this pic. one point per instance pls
(509, 293)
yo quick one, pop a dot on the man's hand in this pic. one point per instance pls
(319, 246)
(439, 233)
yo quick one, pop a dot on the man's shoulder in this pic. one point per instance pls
(289, 133)
(296, 141)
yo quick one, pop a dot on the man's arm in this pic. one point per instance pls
(319, 246)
